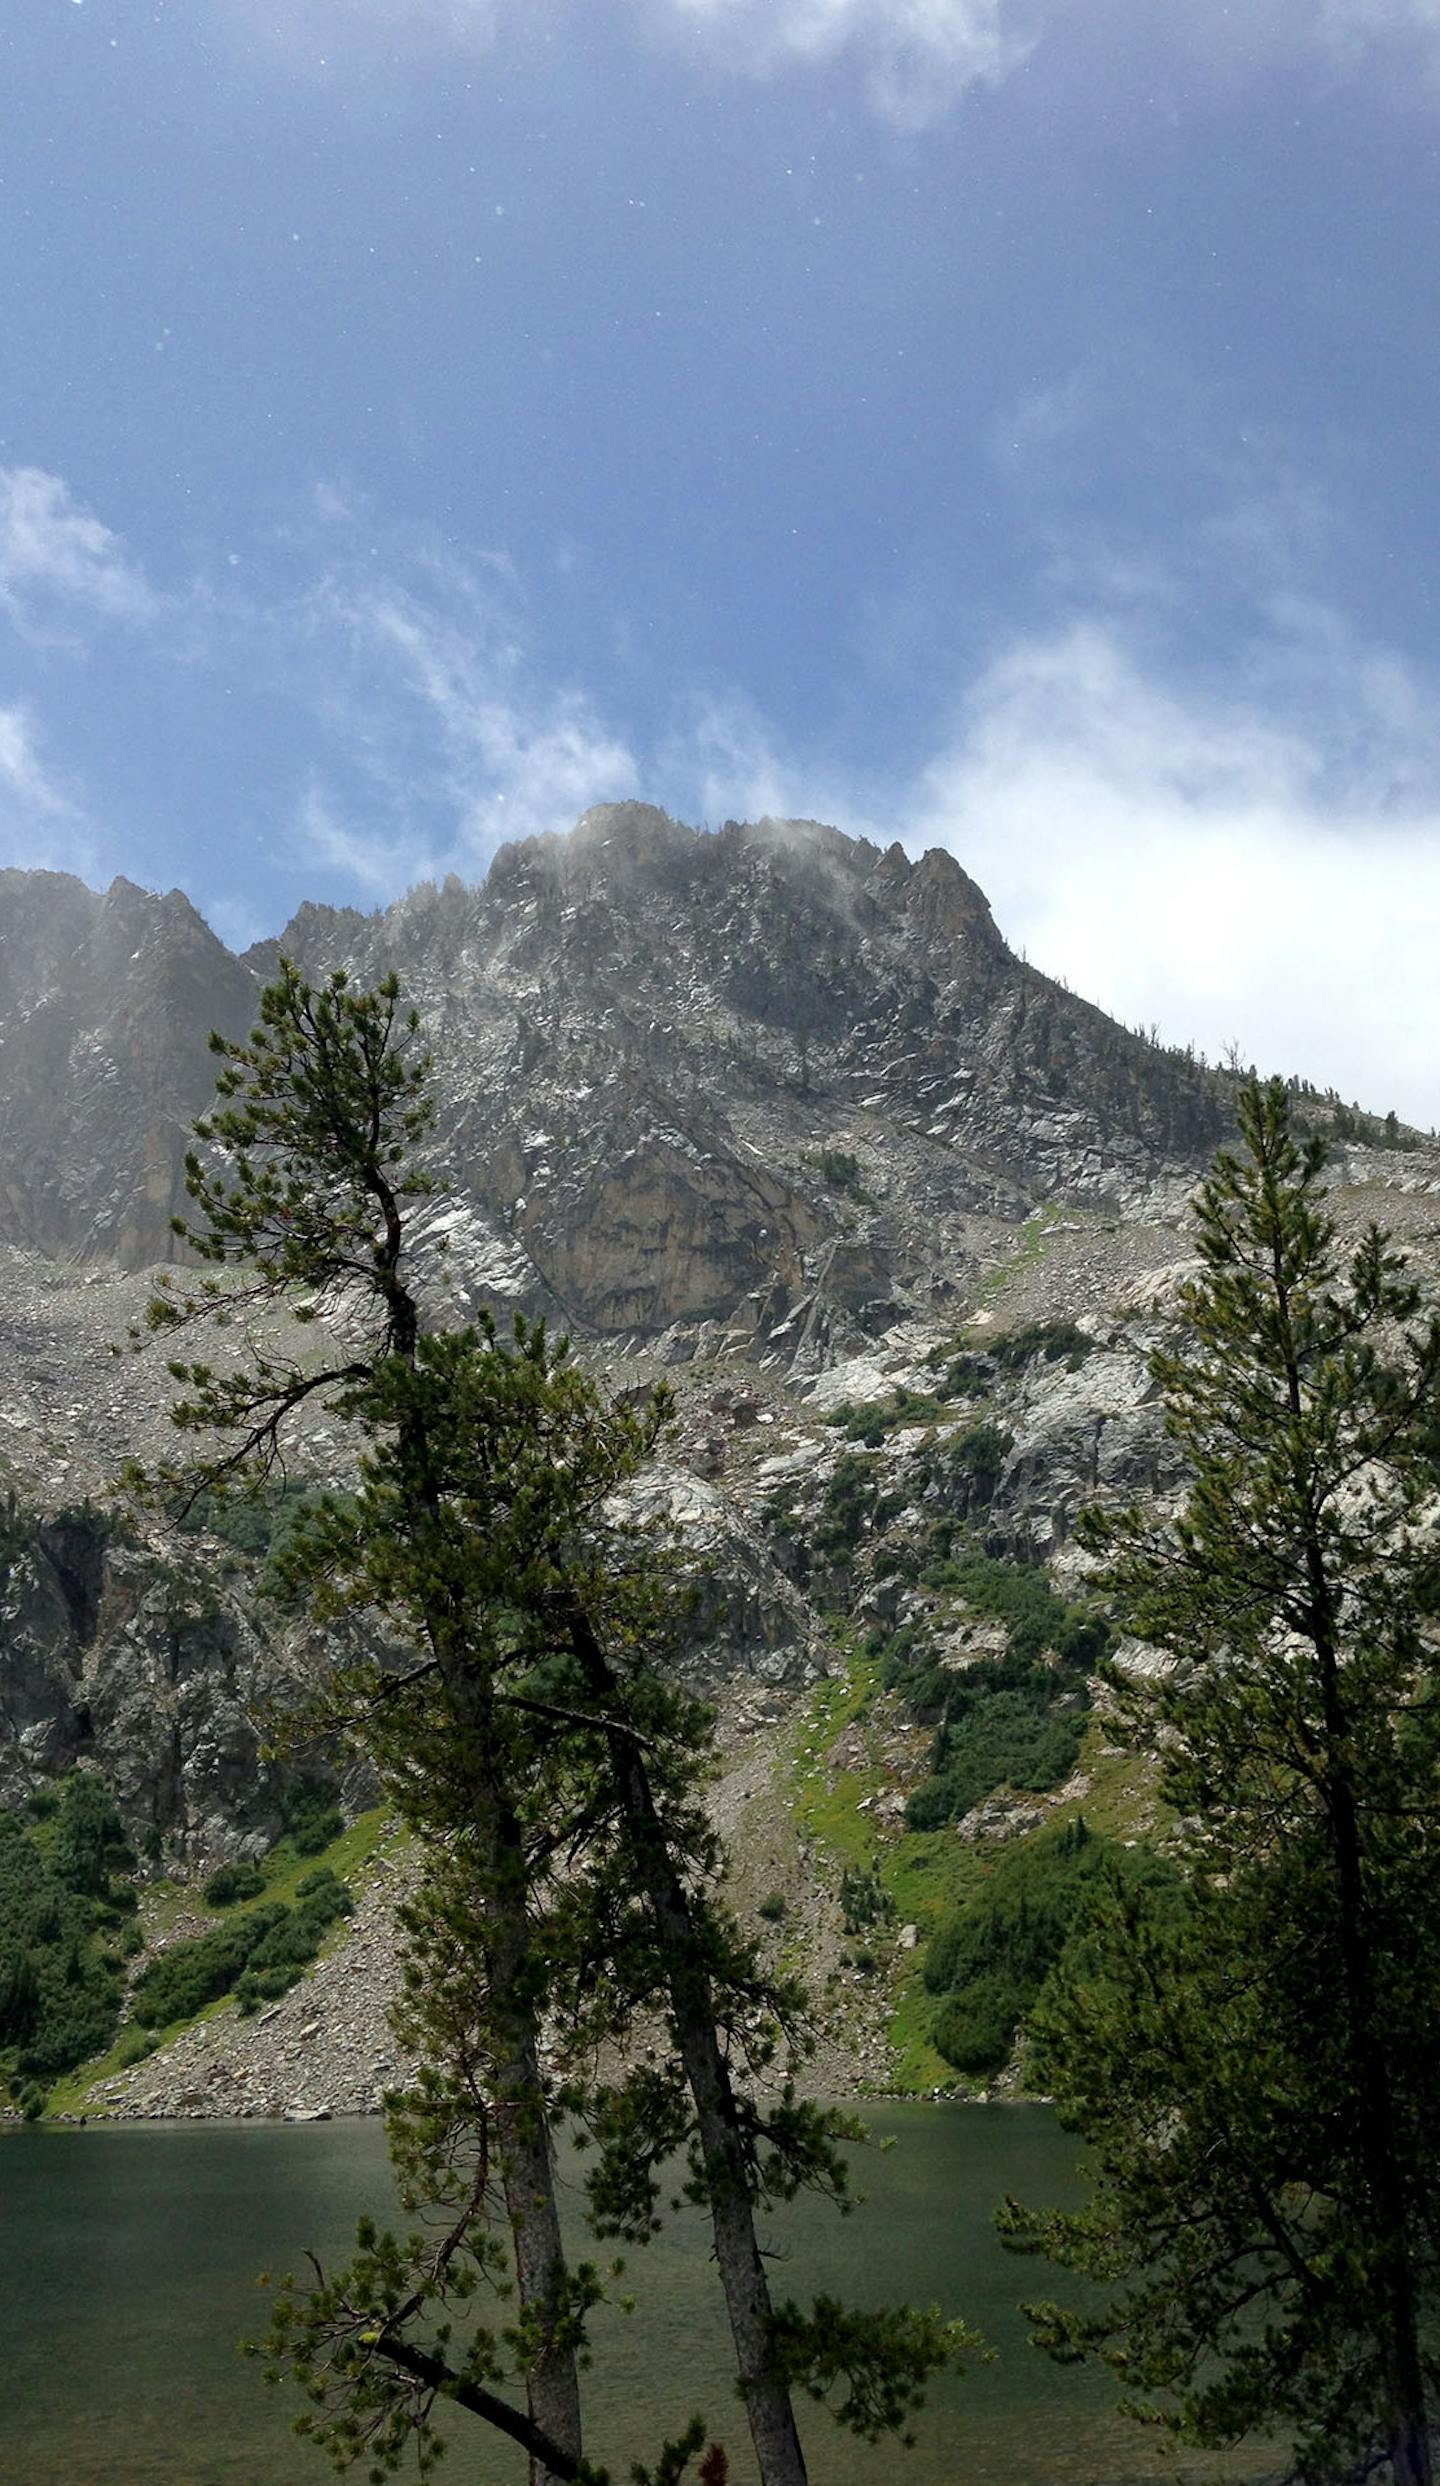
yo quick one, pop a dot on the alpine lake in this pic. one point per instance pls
(132, 2257)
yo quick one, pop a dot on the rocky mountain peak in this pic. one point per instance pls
(685, 1077)
(106, 1001)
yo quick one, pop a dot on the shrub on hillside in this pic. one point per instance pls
(232, 1882)
(260, 1954)
(1054, 1341)
(990, 1959)
(63, 1930)
(312, 1816)
(1003, 1741)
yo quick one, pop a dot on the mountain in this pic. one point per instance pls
(657, 1047)
(774, 1112)
(684, 1078)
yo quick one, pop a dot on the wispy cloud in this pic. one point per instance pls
(447, 739)
(1258, 862)
(1354, 27)
(24, 778)
(919, 56)
(58, 559)
(1250, 853)
(723, 761)
(42, 823)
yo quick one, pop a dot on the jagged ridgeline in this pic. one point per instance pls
(674, 1068)
(773, 1112)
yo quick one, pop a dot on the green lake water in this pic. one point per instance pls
(128, 2266)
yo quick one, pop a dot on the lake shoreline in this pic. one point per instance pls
(130, 2119)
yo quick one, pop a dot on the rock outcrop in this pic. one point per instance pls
(154, 1670)
(105, 1006)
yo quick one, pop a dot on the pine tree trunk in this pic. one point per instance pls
(1398, 2318)
(1398, 2322)
(552, 2385)
(737, 2250)
(527, 2164)
(738, 2258)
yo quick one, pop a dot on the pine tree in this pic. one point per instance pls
(1257, 2076)
(538, 1745)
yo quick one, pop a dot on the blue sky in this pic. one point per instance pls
(1009, 424)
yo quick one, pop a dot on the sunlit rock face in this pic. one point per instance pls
(692, 1077)
(684, 1077)
(105, 1006)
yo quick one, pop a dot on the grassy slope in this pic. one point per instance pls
(926, 1873)
(164, 1903)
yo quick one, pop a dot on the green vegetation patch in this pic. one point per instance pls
(1052, 1342)
(285, 1872)
(990, 1960)
(1004, 1739)
(232, 1882)
(66, 1929)
(972, 1362)
(246, 1522)
(929, 1878)
(841, 1170)
(311, 1810)
(256, 1955)
(855, 1506)
(873, 1422)
(864, 1900)
(1016, 1720)
(265, 1526)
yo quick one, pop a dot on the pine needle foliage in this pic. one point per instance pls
(1255, 2073)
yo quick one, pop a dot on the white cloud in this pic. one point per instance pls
(55, 554)
(1354, 27)
(920, 55)
(450, 742)
(1261, 865)
(380, 864)
(1252, 857)
(42, 826)
(723, 762)
(24, 779)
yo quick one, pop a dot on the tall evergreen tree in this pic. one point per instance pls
(547, 1761)
(1257, 2076)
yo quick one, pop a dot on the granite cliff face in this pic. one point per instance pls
(113, 1653)
(657, 1053)
(700, 1079)
(105, 1006)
